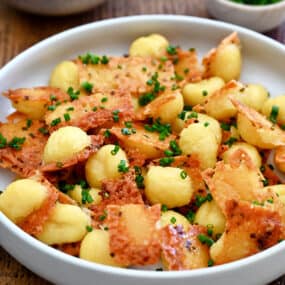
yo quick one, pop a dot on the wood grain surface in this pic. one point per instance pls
(18, 31)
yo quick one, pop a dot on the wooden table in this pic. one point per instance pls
(19, 31)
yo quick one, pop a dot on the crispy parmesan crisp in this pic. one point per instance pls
(22, 158)
(249, 229)
(117, 192)
(126, 73)
(134, 236)
(182, 249)
(34, 101)
(89, 112)
(187, 66)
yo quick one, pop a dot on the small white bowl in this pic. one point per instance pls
(258, 18)
(54, 7)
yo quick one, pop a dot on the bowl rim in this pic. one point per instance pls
(252, 8)
(127, 272)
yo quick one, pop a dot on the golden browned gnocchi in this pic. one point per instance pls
(64, 143)
(153, 45)
(105, 164)
(67, 223)
(165, 185)
(128, 161)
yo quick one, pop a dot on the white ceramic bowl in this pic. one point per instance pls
(263, 62)
(258, 18)
(54, 7)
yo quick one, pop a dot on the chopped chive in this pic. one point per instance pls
(164, 208)
(205, 240)
(122, 167)
(55, 122)
(173, 220)
(87, 86)
(274, 114)
(183, 174)
(115, 150)
(66, 117)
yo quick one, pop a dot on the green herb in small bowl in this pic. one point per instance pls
(256, 2)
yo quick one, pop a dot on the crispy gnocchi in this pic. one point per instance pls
(155, 157)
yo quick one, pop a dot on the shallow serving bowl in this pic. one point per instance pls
(263, 63)
(54, 7)
(259, 18)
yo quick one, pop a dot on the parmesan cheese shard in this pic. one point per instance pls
(249, 229)
(117, 192)
(34, 102)
(134, 236)
(90, 112)
(126, 73)
(182, 250)
(187, 66)
(25, 144)
(148, 143)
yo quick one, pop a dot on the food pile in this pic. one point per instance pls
(153, 156)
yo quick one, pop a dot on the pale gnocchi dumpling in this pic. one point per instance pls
(65, 75)
(277, 103)
(198, 92)
(21, 198)
(64, 143)
(95, 247)
(166, 107)
(255, 97)
(104, 164)
(166, 185)
(153, 45)
(207, 121)
(211, 216)
(76, 194)
(248, 148)
(66, 223)
(173, 218)
(225, 61)
(199, 140)
(279, 189)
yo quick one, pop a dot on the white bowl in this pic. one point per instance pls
(258, 18)
(54, 7)
(263, 62)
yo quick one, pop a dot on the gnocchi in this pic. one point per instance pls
(105, 165)
(164, 185)
(150, 157)
(64, 143)
(95, 247)
(66, 224)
